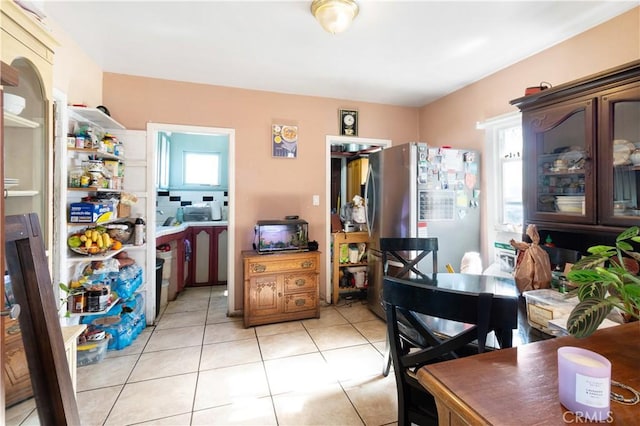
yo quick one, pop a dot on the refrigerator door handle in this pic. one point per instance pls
(370, 211)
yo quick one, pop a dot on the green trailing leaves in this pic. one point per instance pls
(587, 316)
(588, 262)
(606, 278)
(580, 276)
(627, 234)
(591, 290)
(624, 246)
(599, 250)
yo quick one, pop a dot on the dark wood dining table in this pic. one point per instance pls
(501, 287)
(519, 386)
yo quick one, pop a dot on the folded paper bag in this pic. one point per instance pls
(533, 269)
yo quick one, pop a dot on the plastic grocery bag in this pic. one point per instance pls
(533, 269)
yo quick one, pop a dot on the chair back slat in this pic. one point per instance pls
(409, 252)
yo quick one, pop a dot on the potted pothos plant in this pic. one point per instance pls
(607, 278)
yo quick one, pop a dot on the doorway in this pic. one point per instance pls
(360, 146)
(227, 186)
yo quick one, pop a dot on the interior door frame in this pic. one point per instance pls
(152, 136)
(331, 140)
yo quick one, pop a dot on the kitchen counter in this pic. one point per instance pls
(161, 231)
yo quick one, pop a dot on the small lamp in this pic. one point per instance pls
(334, 16)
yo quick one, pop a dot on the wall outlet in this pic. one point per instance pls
(316, 200)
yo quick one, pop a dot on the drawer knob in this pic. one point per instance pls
(307, 264)
(300, 282)
(299, 302)
(259, 268)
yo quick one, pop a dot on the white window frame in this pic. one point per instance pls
(496, 229)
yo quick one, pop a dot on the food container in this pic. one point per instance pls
(544, 305)
(93, 351)
(570, 204)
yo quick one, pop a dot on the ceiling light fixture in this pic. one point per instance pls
(334, 16)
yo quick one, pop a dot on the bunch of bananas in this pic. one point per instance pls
(91, 241)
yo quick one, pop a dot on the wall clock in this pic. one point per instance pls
(348, 122)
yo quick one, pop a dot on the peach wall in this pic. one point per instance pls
(74, 73)
(266, 188)
(452, 119)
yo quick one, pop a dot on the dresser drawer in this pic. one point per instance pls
(300, 302)
(300, 282)
(272, 264)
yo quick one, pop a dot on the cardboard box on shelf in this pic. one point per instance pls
(88, 212)
(124, 210)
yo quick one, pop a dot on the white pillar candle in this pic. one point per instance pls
(584, 382)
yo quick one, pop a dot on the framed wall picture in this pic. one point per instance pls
(284, 141)
(348, 122)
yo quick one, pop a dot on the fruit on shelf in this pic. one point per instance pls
(92, 241)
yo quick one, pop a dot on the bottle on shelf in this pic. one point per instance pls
(139, 232)
(549, 242)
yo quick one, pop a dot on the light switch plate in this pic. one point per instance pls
(316, 200)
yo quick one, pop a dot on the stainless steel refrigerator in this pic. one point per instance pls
(414, 190)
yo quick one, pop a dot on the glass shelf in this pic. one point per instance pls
(22, 193)
(12, 120)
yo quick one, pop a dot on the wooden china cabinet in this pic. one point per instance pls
(581, 160)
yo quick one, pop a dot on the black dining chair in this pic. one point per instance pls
(414, 344)
(401, 258)
(407, 253)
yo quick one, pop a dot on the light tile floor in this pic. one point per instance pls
(199, 367)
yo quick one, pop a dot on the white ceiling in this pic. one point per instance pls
(396, 52)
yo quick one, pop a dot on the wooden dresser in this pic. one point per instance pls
(17, 381)
(280, 287)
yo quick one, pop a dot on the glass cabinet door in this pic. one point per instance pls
(559, 183)
(619, 166)
(25, 147)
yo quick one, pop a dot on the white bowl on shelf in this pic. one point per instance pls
(13, 103)
(570, 203)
